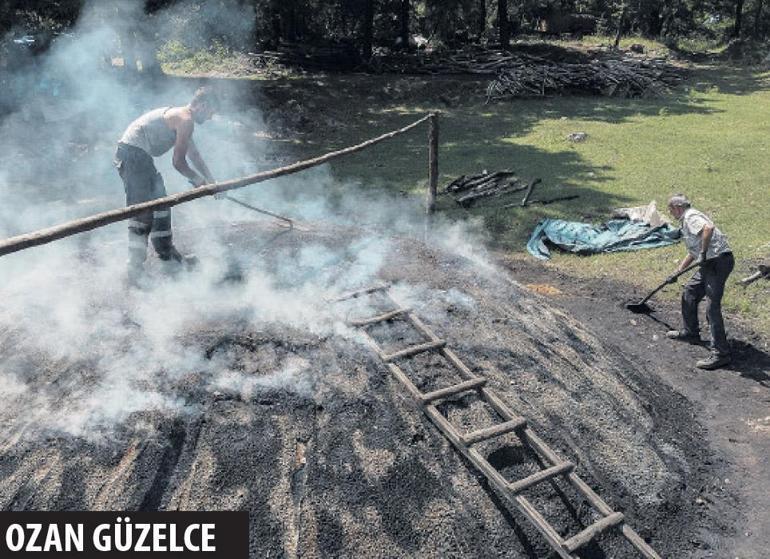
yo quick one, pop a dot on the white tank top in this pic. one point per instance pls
(150, 133)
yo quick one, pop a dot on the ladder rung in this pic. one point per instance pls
(518, 486)
(379, 318)
(494, 431)
(361, 292)
(580, 539)
(414, 350)
(452, 390)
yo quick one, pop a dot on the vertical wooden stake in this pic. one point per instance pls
(432, 162)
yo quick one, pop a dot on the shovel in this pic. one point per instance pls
(641, 307)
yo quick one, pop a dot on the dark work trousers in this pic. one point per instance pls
(708, 282)
(143, 183)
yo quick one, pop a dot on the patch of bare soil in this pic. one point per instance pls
(303, 427)
(731, 404)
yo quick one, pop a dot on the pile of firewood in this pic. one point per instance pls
(313, 58)
(482, 62)
(517, 74)
(624, 77)
(468, 189)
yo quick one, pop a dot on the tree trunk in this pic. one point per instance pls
(404, 23)
(621, 20)
(366, 46)
(758, 19)
(503, 29)
(482, 18)
(738, 18)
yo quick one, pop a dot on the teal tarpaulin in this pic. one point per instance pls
(585, 238)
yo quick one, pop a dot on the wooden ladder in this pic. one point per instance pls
(511, 423)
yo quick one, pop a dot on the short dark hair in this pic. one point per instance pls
(204, 95)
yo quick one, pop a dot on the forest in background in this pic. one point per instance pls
(364, 26)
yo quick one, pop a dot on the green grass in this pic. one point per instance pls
(710, 140)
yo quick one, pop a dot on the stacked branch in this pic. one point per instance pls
(625, 77)
(763, 271)
(481, 62)
(468, 189)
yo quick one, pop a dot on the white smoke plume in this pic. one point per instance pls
(79, 353)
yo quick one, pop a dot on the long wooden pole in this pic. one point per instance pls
(44, 236)
(432, 162)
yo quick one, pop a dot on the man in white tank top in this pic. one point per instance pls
(151, 135)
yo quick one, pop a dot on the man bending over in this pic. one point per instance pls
(151, 135)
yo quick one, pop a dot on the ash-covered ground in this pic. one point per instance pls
(239, 387)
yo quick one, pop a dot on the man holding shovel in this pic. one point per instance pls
(149, 136)
(708, 245)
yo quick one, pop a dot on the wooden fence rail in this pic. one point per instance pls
(44, 236)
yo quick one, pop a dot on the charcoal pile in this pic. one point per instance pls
(468, 189)
(619, 77)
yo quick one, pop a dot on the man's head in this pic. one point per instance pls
(203, 105)
(677, 205)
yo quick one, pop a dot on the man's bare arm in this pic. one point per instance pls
(197, 161)
(686, 261)
(184, 132)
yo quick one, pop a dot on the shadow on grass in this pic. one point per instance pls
(730, 79)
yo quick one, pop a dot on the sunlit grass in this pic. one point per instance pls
(712, 143)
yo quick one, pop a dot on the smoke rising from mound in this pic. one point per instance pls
(65, 302)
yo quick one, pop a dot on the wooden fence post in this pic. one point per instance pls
(432, 162)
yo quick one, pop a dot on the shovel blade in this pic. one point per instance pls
(639, 308)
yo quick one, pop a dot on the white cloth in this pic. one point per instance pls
(647, 214)
(693, 222)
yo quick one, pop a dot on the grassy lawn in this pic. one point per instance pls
(709, 140)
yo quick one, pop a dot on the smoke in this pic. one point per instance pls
(79, 352)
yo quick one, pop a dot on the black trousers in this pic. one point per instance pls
(142, 183)
(708, 282)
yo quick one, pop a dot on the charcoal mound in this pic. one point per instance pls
(263, 400)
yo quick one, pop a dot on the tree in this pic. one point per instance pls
(482, 18)
(738, 18)
(758, 19)
(403, 20)
(368, 29)
(503, 25)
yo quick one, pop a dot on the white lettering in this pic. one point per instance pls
(187, 535)
(158, 537)
(174, 546)
(123, 535)
(208, 536)
(32, 543)
(52, 539)
(73, 537)
(14, 531)
(102, 543)
(144, 529)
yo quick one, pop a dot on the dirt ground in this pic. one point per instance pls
(732, 404)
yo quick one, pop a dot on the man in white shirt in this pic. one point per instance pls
(708, 245)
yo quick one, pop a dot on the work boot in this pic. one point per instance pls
(713, 361)
(683, 336)
(173, 260)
